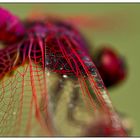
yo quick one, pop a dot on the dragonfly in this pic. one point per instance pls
(49, 85)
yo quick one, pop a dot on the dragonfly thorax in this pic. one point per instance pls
(56, 46)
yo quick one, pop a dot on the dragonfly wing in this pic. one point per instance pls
(91, 85)
(21, 93)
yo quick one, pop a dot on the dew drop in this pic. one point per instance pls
(65, 76)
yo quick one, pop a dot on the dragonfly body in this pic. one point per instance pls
(58, 47)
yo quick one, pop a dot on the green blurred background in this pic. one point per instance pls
(121, 30)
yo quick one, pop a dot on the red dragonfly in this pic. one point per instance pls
(49, 84)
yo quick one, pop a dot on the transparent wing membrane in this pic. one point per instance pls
(21, 91)
(20, 102)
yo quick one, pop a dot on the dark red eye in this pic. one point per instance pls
(11, 28)
(110, 64)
